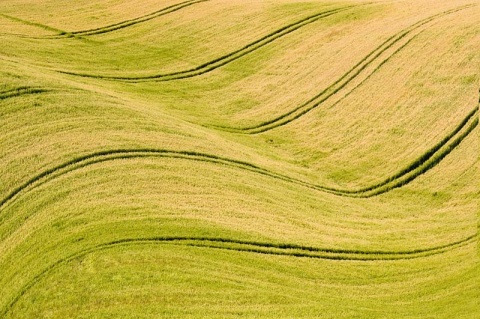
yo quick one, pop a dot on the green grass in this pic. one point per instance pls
(311, 159)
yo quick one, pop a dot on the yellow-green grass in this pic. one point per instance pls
(149, 199)
(187, 38)
(395, 131)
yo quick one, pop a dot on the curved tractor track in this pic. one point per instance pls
(230, 57)
(223, 60)
(131, 22)
(361, 71)
(24, 90)
(61, 34)
(290, 250)
(364, 68)
(421, 165)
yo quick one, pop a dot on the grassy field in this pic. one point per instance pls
(232, 158)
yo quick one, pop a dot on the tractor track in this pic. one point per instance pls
(62, 34)
(130, 22)
(421, 165)
(221, 61)
(344, 80)
(24, 90)
(290, 250)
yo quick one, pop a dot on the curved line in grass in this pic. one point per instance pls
(24, 90)
(105, 29)
(131, 22)
(425, 157)
(19, 88)
(421, 165)
(221, 61)
(30, 23)
(290, 250)
(343, 81)
(230, 57)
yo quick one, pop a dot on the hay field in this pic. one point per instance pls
(239, 159)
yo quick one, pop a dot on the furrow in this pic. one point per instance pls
(360, 69)
(60, 34)
(34, 24)
(221, 61)
(429, 159)
(131, 22)
(421, 165)
(21, 91)
(289, 250)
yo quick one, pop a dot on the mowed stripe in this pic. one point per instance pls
(422, 164)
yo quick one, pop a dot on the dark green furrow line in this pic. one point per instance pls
(366, 78)
(287, 246)
(34, 24)
(14, 89)
(342, 82)
(427, 155)
(130, 22)
(108, 155)
(113, 27)
(425, 162)
(252, 247)
(427, 165)
(225, 59)
(216, 63)
(21, 91)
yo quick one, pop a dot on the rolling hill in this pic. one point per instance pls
(232, 158)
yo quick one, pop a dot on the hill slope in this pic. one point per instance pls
(212, 158)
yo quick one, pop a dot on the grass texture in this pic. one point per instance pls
(232, 159)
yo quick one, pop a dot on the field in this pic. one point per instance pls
(239, 158)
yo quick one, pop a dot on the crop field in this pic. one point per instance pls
(239, 159)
